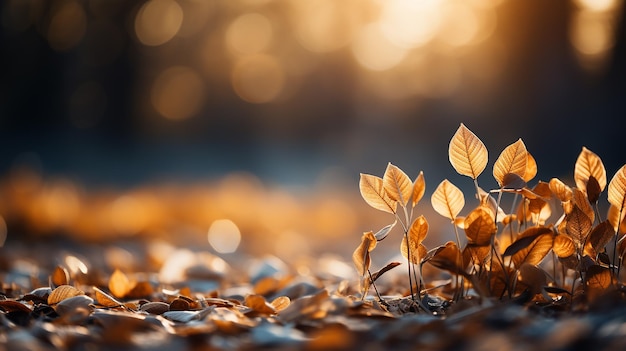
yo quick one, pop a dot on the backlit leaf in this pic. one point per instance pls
(588, 164)
(579, 198)
(417, 233)
(598, 278)
(613, 218)
(531, 168)
(105, 299)
(617, 189)
(535, 251)
(418, 251)
(480, 226)
(513, 159)
(467, 153)
(532, 277)
(563, 246)
(60, 276)
(419, 187)
(476, 254)
(600, 236)
(560, 190)
(397, 184)
(63, 292)
(361, 256)
(373, 192)
(258, 304)
(447, 200)
(387, 268)
(578, 226)
(280, 303)
(119, 285)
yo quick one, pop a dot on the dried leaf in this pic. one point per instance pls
(60, 276)
(156, 307)
(588, 164)
(467, 153)
(397, 184)
(417, 233)
(280, 303)
(600, 236)
(384, 270)
(475, 254)
(563, 246)
(105, 299)
(119, 285)
(593, 190)
(513, 181)
(373, 192)
(480, 226)
(419, 187)
(531, 168)
(61, 293)
(579, 199)
(560, 190)
(447, 200)
(384, 231)
(447, 257)
(513, 159)
(617, 190)
(531, 246)
(14, 306)
(598, 278)
(533, 278)
(578, 226)
(258, 304)
(361, 256)
(613, 218)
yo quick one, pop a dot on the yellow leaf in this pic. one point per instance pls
(119, 285)
(531, 168)
(563, 246)
(419, 187)
(560, 190)
(513, 159)
(467, 153)
(613, 218)
(280, 303)
(579, 199)
(447, 200)
(617, 190)
(361, 256)
(535, 251)
(373, 192)
(589, 164)
(480, 226)
(60, 276)
(105, 299)
(397, 184)
(63, 292)
(417, 233)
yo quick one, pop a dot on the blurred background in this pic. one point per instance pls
(244, 124)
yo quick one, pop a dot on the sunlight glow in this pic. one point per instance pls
(224, 236)
(409, 23)
(374, 51)
(258, 78)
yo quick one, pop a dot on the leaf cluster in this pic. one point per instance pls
(553, 245)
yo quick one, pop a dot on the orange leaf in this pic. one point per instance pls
(467, 153)
(60, 276)
(417, 233)
(373, 192)
(513, 159)
(61, 293)
(447, 257)
(578, 226)
(105, 299)
(119, 285)
(563, 246)
(531, 168)
(617, 190)
(361, 256)
(480, 226)
(580, 199)
(280, 303)
(397, 184)
(258, 304)
(560, 190)
(447, 200)
(588, 164)
(419, 187)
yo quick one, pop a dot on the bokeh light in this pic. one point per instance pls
(178, 93)
(67, 26)
(158, 21)
(249, 33)
(224, 236)
(258, 78)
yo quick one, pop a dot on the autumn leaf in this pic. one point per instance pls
(416, 234)
(384, 231)
(387, 268)
(613, 218)
(480, 226)
(588, 164)
(560, 190)
(361, 256)
(60, 276)
(531, 168)
(578, 226)
(119, 285)
(63, 292)
(599, 237)
(447, 257)
(105, 299)
(467, 153)
(447, 200)
(580, 199)
(531, 246)
(513, 159)
(617, 190)
(419, 187)
(373, 192)
(397, 184)
(563, 246)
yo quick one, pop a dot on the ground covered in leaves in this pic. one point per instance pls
(72, 299)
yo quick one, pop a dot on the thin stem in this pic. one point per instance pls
(380, 299)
